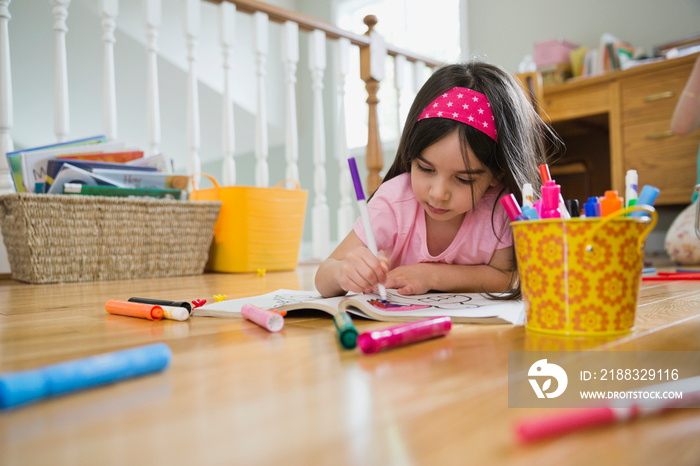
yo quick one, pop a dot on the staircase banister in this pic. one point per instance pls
(307, 23)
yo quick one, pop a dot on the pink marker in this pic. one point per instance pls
(550, 200)
(404, 334)
(539, 428)
(512, 208)
(268, 320)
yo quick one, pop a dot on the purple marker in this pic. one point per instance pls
(364, 214)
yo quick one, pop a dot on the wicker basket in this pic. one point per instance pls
(66, 238)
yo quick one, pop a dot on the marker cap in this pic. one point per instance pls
(356, 179)
(511, 207)
(175, 313)
(572, 207)
(347, 333)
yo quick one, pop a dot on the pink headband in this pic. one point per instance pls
(465, 105)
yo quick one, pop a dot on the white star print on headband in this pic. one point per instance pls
(466, 106)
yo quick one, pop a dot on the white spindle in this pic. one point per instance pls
(61, 110)
(192, 25)
(227, 34)
(290, 56)
(399, 84)
(260, 47)
(152, 12)
(346, 214)
(320, 217)
(6, 145)
(418, 75)
(110, 9)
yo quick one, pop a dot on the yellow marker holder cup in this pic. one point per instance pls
(582, 276)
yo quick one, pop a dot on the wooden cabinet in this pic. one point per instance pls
(632, 111)
(661, 158)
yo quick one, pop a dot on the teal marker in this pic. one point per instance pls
(347, 333)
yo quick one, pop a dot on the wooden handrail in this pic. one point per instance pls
(371, 71)
(307, 23)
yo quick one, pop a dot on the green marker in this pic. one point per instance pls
(347, 333)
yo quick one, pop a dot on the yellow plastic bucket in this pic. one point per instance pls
(258, 228)
(581, 276)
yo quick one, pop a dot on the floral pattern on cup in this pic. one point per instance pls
(580, 277)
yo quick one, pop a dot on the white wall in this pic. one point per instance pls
(503, 31)
(32, 63)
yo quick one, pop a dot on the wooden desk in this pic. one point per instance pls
(621, 121)
(236, 394)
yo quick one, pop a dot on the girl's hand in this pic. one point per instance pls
(409, 279)
(361, 270)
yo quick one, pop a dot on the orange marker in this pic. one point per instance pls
(127, 308)
(610, 203)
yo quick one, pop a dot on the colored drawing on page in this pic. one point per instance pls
(387, 306)
(444, 301)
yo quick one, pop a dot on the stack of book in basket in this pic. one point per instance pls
(94, 210)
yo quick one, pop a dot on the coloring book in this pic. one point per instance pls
(461, 307)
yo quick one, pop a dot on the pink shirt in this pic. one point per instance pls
(398, 221)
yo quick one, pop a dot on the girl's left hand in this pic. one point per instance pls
(409, 279)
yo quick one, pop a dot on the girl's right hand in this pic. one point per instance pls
(361, 270)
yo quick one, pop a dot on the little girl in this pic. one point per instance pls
(471, 137)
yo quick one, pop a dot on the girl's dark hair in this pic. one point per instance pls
(523, 138)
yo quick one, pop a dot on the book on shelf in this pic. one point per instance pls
(460, 307)
(54, 166)
(680, 47)
(114, 191)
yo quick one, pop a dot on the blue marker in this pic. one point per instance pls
(592, 208)
(646, 197)
(22, 387)
(530, 212)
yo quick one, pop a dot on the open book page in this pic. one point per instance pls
(461, 307)
(280, 299)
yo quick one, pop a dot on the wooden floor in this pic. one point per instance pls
(236, 394)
